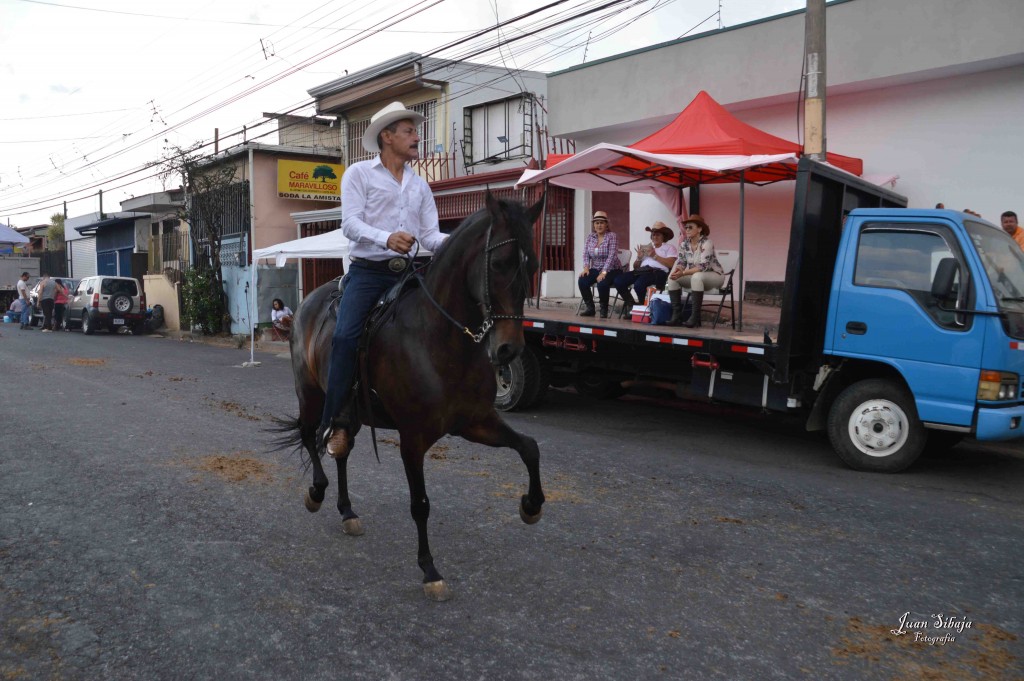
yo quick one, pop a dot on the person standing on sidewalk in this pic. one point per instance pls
(386, 208)
(26, 309)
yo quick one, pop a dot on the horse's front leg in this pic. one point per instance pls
(494, 432)
(350, 522)
(419, 505)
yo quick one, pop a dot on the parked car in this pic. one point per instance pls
(37, 312)
(105, 302)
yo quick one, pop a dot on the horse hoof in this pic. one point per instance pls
(527, 518)
(312, 506)
(437, 591)
(352, 526)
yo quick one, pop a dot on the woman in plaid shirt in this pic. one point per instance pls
(600, 265)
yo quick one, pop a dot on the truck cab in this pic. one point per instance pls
(926, 324)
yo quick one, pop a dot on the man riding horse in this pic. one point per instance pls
(386, 208)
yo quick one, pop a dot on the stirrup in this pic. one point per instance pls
(335, 440)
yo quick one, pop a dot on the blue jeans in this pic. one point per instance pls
(26, 314)
(603, 287)
(639, 280)
(363, 288)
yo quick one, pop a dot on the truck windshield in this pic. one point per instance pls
(1003, 260)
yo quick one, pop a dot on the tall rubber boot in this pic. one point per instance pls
(697, 300)
(676, 297)
(588, 301)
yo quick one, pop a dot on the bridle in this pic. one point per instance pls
(489, 316)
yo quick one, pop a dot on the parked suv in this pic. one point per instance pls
(104, 302)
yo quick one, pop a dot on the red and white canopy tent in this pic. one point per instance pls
(704, 144)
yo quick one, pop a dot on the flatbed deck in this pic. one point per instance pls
(757, 319)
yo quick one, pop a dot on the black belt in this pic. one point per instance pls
(393, 265)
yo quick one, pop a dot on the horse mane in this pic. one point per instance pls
(473, 226)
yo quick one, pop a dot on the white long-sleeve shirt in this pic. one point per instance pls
(374, 204)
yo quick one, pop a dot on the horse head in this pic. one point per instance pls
(500, 280)
(481, 276)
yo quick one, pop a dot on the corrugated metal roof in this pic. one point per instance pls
(365, 75)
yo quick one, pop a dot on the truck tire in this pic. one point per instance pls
(517, 382)
(598, 386)
(543, 379)
(873, 426)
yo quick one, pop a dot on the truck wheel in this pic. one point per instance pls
(88, 328)
(873, 426)
(517, 382)
(599, 387)
(544, 374)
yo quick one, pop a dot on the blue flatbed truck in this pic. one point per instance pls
(899, 329)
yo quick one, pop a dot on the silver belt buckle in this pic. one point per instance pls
(397, 264)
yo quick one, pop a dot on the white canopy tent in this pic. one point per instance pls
(594, 169)
(332, 244)
(10, 237)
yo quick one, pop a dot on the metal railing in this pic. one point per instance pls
(170, 252)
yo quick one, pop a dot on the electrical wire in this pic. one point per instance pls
(472, 51)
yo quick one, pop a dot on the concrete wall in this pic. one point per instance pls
(871, 44)
(931, 91)
(162, 291)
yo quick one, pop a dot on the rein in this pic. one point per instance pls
(489, 315)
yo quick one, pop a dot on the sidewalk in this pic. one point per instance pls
(238, 341)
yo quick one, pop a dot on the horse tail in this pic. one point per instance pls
(289, 436)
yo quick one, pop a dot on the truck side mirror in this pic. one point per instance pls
(945, 280)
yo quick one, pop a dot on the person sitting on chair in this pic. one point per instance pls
(281, 316)
(697, 268)
(600, 265)
(386, 208)
(650, 267)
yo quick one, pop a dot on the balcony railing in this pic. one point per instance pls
(436, 167)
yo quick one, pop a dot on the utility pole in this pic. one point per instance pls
(815, 81)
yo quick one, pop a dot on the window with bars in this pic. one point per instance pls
(498, 131)
(428, 133)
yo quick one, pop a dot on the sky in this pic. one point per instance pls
(93, 88)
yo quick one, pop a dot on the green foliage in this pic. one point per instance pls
(55, 234)
(203, 301)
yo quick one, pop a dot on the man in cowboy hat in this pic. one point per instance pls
(650, 267)
(386, 208)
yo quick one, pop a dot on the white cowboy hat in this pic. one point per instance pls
(393, 112)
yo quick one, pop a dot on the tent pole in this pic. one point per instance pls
(739, 314)
(543, 232)
(253, 307)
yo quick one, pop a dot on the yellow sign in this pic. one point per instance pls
(309, 180)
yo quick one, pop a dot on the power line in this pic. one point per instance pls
(469, 51)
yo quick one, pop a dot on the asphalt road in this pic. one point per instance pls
(148, 532)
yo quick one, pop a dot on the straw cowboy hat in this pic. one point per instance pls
(600, 215)
(392, 113)
(699, 221)
(661, 227)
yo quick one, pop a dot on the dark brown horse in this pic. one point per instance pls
(429, 368)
